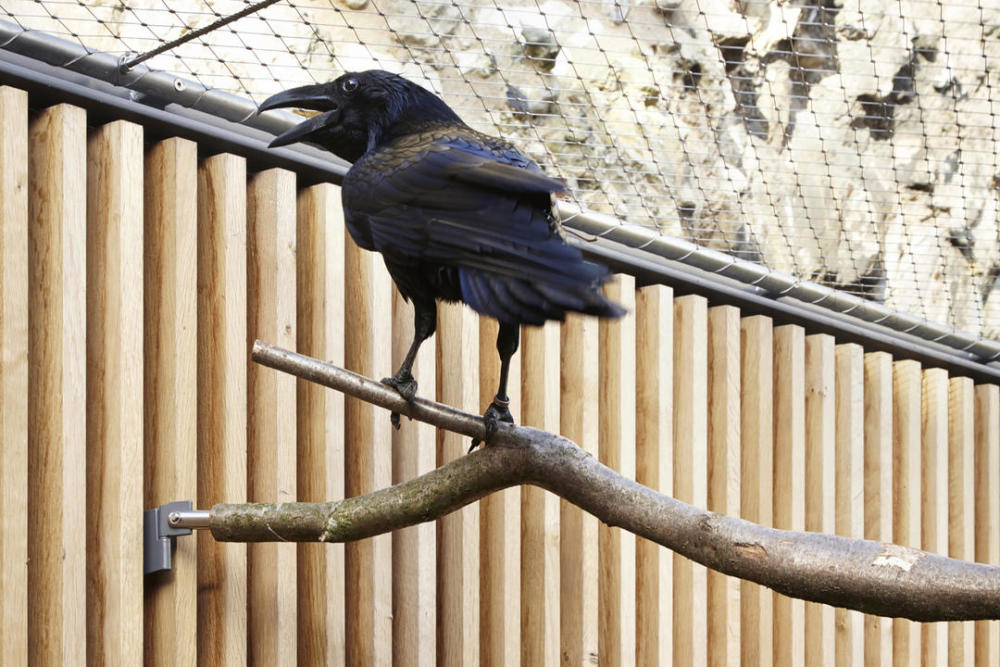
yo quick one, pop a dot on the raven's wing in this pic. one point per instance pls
(484, 211)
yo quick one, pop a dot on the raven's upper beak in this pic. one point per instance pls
(306, 97)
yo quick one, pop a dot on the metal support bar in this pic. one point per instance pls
(158, 535)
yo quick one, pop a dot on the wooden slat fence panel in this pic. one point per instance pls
(13, 376)
(616, 558)
(878, 486)
(271, 420)
(906, 490)
(500, 526)
(171, 390)
(789, 477)
(368, 588)
(320, 243)
(222, 402)
(579, 570)
(726, 412)
(654, 468)
(540, 643)
(414, 452)
(57, 355)
(690, 470)
(821, 452)
(723, 473)
(756, 477)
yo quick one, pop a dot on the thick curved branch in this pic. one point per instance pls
(872, 577)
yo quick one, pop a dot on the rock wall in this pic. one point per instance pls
(851, 142)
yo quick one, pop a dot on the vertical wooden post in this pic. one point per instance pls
(906, 425)
(756, 477)
(579, 564)
(690, 470)
(367, 436)
(271, 413)
(540, 509)
(457, 533)
(723, 473)
(320, 239)
(934, 489)
(414, 569)
(987, 511)
(961, 498)
(170, 282)
(850, 484)
(821, 434)
(114, 394)
(654, 468)
(878, 486)
(500, 525)
(222, 402)
(57, 353)
(789, 477)
(13, 376)
(616, 590)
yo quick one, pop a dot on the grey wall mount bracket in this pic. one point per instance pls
(158, 535)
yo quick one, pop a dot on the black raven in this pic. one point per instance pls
(457, 215)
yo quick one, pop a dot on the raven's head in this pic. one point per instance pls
(360, 111)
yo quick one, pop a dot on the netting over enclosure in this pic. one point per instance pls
(848, 142)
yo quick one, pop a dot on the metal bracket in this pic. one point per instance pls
(158, 535)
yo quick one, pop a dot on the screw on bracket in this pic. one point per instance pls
(158, 535)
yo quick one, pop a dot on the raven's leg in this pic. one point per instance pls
(507, 341)
(424, 325)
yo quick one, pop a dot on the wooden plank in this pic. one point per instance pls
(57, 355)
(368, 443)
(654, 468)
(789, 477)
(414, 549)
(13, 376)
(580, 564)
(540, 509)
(756, 477)
(961, 500)
(616, 557)
(906, 496)
(821, 452)
(849, 520)
(457, 533)
(690, 470)
(320, 242)
(987, 510)
(723, 473)
(500, 526)
(170, 282)
(114, 393)
(934, 489)
(878, 486)
(222, 402)
(271, 415)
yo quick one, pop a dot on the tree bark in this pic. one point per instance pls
(872, 577)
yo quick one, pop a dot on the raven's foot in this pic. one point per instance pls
(496, 413)
(404, 383)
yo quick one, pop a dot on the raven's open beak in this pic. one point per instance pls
(305, 97)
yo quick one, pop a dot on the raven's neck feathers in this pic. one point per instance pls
(409, 109)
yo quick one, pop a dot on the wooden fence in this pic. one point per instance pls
(133, 277)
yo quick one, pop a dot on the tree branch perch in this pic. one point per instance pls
(871, 577)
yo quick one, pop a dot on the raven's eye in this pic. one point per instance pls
(349, 85)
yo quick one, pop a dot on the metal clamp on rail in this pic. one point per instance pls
(159, 528)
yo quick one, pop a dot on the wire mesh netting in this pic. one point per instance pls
(848, 142)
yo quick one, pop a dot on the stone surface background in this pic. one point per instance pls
(850, 142)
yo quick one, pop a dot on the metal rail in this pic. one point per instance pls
(56, 70)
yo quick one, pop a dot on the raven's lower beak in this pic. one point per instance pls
(304, 97)
(303, 130)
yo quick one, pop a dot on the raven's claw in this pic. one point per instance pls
(496, 413)
(404, 383)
